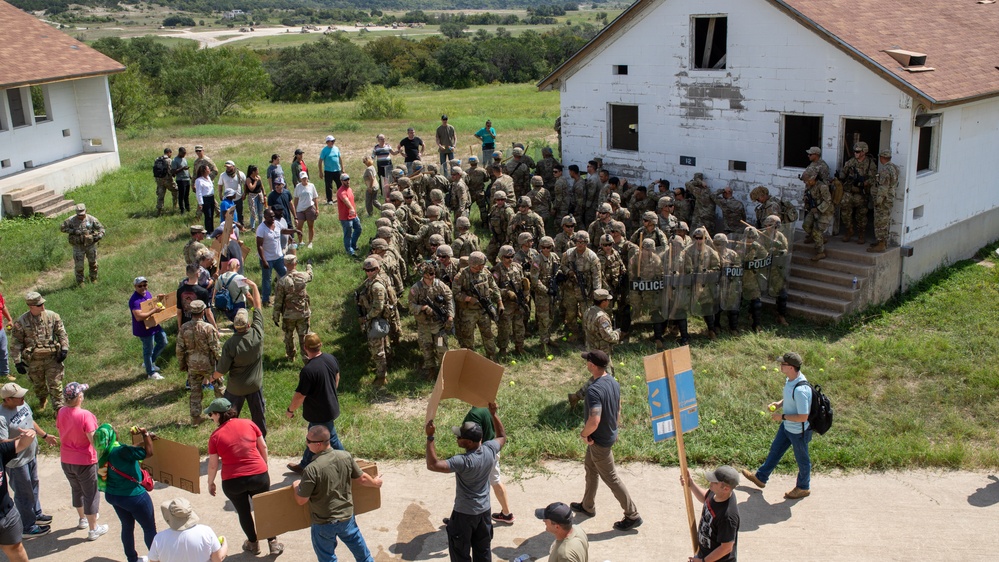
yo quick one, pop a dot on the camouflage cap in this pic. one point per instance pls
(395, 196)
(388, 207)
(431, 167)
(500, 195)
(454, 163)
(615, 198)
(198, 229)
(404, 184)
(682, 227)
(524, 238)
(860, 147)
(568, 220)
(546, 242)
(524, 201)
(198, 147)
(649, 216)
(752, 233)
(371, 263)
(463, 223)
(498, 155)
(417, 165)
(426, 268)
(700, 232)
(379, 244)
(445, 251)
(408, 193)
(34, 298)
(290, 258)
(433, 211)
(772, 220)
(197, 306)
(720, 239)
(886, 153)
(456, 171)
(384, 232)
(581, 236)
(477, 258)
(506, 251)
(648, 244)
(398, 173)
(606, 239)
(436, 240)
(809, 174)
(617, 226)
(242, 320)
(814, 150)
(537, 181)
(601, 295)
(81, 209)
(758, 192)
(699, 175)
(604, 208)
(518, 151)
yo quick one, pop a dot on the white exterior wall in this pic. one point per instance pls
(82, 107)
(774, 66)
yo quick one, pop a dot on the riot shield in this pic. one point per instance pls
(678, 285)
(755, 262)
(779, 269)
(646, 285)
(730, 276)
(702, 264)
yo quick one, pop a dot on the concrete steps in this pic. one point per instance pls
(824, 291)
(28, 201)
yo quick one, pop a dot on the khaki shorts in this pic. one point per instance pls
(309, 214)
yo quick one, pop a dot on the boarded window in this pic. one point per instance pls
(624, 127)
(924, 159)
(710, 42)
(800, 133)
(39, 103)
(16, 104)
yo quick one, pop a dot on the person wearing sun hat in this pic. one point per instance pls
(186, 539)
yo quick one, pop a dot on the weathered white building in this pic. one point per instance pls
(56, 125)
(740, 89)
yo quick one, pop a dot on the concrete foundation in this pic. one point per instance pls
(62, 175)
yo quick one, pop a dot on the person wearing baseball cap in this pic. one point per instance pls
(330, 166)
(794, 431)
(11, 527)
(446, 138)
(718, 532)
(154, 339)
(883, 196)
(231, 179)
(22, 472)
(470, 526)
(571, 544)
(603, 403)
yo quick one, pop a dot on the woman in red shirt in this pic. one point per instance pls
(349, 222)
(240, 446)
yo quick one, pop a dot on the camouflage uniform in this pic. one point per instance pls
(751, 290)
(461, 200)
(541, 202)
(596, 230)
(855, 197)
(561, 198)
(588, 266)
(164, 184)
(819, 216)
(510, 279)
(704, 203)
(503, 183)
(599, 330)
(431, 332)
(774, 240)
(612, 271)
(206, 161)
(525, 222)
(587, 199)
(546, 169)
(475, 179)
(37, 341)
(647, 265)
(520, 172)
(291, 299)
(499, 225)
(733, 212)
(192, 249)
(764, 210)
(541, 271)
(421, 240)
(655, 234)
(701, 260)
(471, 314)
(683, 210)
(374, 300)
(563, 242)
(392, 313)
(198, 350)
(465, 244)
(884, 196)
(85, 231)
(391, 266)
(637, 207)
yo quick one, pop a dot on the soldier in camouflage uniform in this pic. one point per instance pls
(198, 350)
(204, 160)
(499, 224)
(525, 254)
(581, 268)
(519, 170)
(511, 280)
(597, 326)
(766, 206)
(393, 314)
(501, 181)
(389, 237)
(588, 195)
(668, 222)
(859, 176)
(704, 203)
(39, 345)
(461, 201)
(612, 268)
(618, 212)
(700, 259)
(85, 231)
(541, 202)
(733, 211)
(445, 266)
(729, 301)
(751, 290)
(543, 267)
(816, 162)
(391, 265)
(374, 301)
(647, 265)
(774, 240)
(475, 179)
(684, 207)
(411, 201)
(600, 226)
(466, 242)
(194, 245)
(166, 183)
(624, 248)
(650, 231)
(563, 240)
(561, 195)
(421, 239)
(819, 211)
(525, 220)
(470, 311)
(546, 168)
(401, 210)
(432, 326)
(638, 205)
(291, 300)
(883, 196)
(437, 200)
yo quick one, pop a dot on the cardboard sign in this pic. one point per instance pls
(168, 311)
(467, 376)
(173, 464)
(276, 512)
(676, 365)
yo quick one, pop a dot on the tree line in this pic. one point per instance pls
(220, 81)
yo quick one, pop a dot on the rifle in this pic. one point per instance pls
(488, 307)
(579, 280)
(439, 314)
(357, 302)
(521, 300)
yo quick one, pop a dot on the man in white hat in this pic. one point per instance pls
(231, 179)
(186, 540)
(22, 471)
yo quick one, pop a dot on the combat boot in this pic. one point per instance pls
(880, 247)
(781, 320)
(431, 374)
(519, 349)
(42, 401)
(848, 235)
(711, 335)
(819, 256)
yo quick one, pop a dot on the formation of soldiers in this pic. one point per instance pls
(571, 258)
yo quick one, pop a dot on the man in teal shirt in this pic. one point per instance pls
(330, 165)
(487, 135)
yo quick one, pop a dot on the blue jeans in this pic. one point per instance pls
(324, 540)
(256, 211)
(132, 510)
(24, 481)
(152, 346)
(334, 442)
(798, 442)
(351, 232)
(276, 266)
(4, 363)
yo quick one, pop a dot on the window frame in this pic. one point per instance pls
(24, 107)
(695, 56)
(933, 158)
(611, 137)
(46, 103)
(785, 150)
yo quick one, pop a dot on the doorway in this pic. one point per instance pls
(876, 133)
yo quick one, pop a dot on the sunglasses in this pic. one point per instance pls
(698, 238)
(311, 442)
(372, 269)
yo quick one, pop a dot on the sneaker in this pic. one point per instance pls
(752, 478)
(155, 377)
(628, 523)
(797, 494)
(252, 547)
(309, 246)
(156, 369)
(83, 523)
(36, 531)
(295, 467)
(578, 508)
(187, 385)
(97, 532)
(274, 547)
(43, 518)
(503, 517)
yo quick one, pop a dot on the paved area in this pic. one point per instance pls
(918, 515)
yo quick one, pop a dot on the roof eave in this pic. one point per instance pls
(53, 79)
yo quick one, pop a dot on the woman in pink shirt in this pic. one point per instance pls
(79, 458)
(348, 216)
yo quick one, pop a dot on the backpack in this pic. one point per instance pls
(836, 191)
(788, 212)
(223, 300)
(161, 168)
(820, 412)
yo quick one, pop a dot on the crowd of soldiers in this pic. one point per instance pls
(592, 255)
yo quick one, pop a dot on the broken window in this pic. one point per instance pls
(16, 104)
(39, 103)
(800, 132)
(710, 42)
(623, 127)
(926, 157)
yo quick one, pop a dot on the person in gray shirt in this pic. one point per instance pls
(470, 527)
(22, 471)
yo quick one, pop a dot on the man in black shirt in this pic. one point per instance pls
(718, 532)
(10, 519)
(316, 393)
(188, 292)
(412, 147)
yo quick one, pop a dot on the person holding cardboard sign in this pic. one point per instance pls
(718, 532)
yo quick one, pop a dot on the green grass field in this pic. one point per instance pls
(912, 383)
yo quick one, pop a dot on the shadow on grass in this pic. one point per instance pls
(987, 495)
(755, 512)
(556, 417)
(164, 397)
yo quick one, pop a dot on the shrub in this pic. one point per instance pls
(176, 20)
(376, 102)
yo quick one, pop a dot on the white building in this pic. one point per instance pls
(56, 126)
(740, 89)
